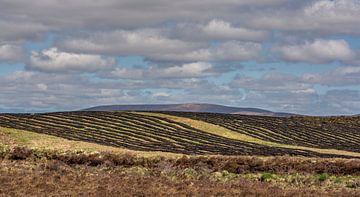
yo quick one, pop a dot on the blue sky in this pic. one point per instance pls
(281, 55)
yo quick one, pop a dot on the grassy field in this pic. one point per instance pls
(20, 138)
(177, 154)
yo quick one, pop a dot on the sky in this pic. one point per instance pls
(281, 55)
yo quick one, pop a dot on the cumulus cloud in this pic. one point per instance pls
(323, 17)
(190, 70)
(227, 51)
(329, 12)
(11, 53)
(53, 60)
(185, 47)
(120, 42)
(155, 45)
(337, 16)
(219, 30)
(126, 13)
(318, 51)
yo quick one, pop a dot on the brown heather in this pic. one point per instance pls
(26, 172)
(233, 164)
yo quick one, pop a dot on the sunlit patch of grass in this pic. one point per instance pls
(323, 177)
(47, 142)
(266, 176)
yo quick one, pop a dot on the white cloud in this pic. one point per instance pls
(334, 11)
(318, 51)
(53, 60)
(139, 42)
(237, 51)
(321, 17)
(250, 17)
(190, 70)
(218, 29)
(42, 86)
(155, 45)
(11, 53)
(110, 14)
(227, 51)
(186, 44)
(161, 95)
(187, 70)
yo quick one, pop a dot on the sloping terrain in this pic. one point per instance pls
(97, 158)
(341, 133)
(138, 132)
(156, 132)
(33, 164)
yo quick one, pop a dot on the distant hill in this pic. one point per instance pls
(189, 107)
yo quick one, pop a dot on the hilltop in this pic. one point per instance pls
(189, 107)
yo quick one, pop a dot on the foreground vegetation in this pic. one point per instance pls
(47, 172)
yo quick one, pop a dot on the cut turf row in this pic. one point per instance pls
(140, 132)
(322, 133)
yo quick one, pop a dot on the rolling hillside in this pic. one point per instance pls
(199, 133)
(341, 133)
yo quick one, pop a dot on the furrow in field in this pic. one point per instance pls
(221, 131)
